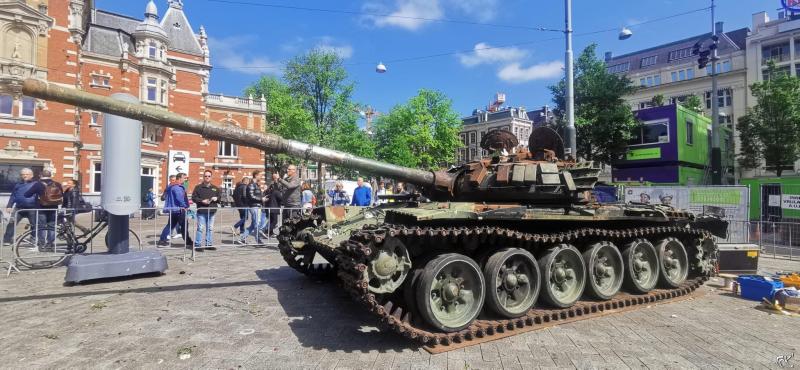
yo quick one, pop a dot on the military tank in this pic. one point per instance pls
(481, 250)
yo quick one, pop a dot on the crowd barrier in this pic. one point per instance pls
(28, 247)
(776, 239)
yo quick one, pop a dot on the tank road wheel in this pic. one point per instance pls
(563, 275)
(450, 292)
(641, 266)
(512, 282)
(674, 263)
(389, 268)
(604, 267)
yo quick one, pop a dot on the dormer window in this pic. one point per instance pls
(152, 49)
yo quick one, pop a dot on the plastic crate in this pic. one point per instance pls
(756, 288)
(791, 280)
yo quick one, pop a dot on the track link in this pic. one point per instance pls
(353, 255)
(302, 260)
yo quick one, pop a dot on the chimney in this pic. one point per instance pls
(759, 19)
(718, 27)
(609, 55)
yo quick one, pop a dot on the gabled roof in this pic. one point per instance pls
(728, 42)
(106, 41)
(179, 31)
(115, 21)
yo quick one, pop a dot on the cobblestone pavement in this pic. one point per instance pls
(243, 308)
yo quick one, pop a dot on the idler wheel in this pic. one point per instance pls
(604, 267)
(673, 261)
(450, 292)
(512, 282)
(388, 267)
(563, 275)
(641, 266)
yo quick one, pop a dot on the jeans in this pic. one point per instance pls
(205, 220)
(264, 222)
(255, 216)
(176, 219)
(242, 220)
(8, 237)
(46, 228)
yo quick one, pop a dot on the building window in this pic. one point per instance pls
(97, 176)
(152, 49)
(152, 86)
(27, 107)
(94, 119)
(102, 81)
(227, 182)
(778, 71)
(149, 133)
(227, 150)
(619, 68)
(650, 133)
(6, 104)
(678, 99)
(724, 98)
(683, 74)
(689, 132)
(680, 54)
(722, 67)
(645, 104)
(648, 81)
(472, 137)
(464, 139)
(776, 53)
(648, 61)
(472, 154)
(163, 92)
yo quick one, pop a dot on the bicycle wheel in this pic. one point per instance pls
(134, 243)
(27, 253)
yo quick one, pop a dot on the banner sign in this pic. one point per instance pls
(790, 201)
(774, 200)
(646, 153)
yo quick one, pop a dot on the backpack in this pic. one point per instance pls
(53, 195)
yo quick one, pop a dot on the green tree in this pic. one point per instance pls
(603, 120)
(771, 129)
(422, 133)
(285, 115)
(694, 103)
(319, 81)
(658, 100)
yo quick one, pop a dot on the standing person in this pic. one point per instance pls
(401, 189)
(175, 206)
(275, 198)
(74, 203)
(239, 203)
(362, 195)
(170, 181)
(263, 224)
(149, 203)
(306, 196)
(383, 189)
(206, 195)
(49, 195)
(290, 185)
(338, 195)
(17, 201)
(254, 199)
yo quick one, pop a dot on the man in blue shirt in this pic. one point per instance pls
(362, 195)
(19, 202)
(176, 205)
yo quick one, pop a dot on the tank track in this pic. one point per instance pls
(356, 251)
(302, 261)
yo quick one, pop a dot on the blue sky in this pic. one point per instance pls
(249, 40)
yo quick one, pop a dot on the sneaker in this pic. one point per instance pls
(162, 243)
(240, 241)
(234, 231)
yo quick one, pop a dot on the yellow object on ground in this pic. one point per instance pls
(791, 280)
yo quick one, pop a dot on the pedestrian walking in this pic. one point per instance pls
(255, 200)
(49, 196)
(206, 195)
(19, 205)
(240, 204)
(175, 205)
(362, 195)
(149, 203)
(338, 195)
(290, 185)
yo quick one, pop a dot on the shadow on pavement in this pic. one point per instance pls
(322, 316)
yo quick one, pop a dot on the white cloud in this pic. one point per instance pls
(229, 53)
(485, 54)
(328, 44)
(405, 14)
(515, 73)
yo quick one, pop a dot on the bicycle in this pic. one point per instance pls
(35, 254)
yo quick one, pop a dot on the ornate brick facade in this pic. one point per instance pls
(160, 60)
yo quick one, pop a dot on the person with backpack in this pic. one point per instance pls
(23, 205)
(49, 196)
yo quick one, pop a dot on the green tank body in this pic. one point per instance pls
(484, 249)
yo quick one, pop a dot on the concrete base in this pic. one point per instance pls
(85, 267)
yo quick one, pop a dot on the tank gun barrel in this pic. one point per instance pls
(218, 131)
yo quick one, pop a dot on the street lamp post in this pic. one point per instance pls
(571, 145)
(716, 155)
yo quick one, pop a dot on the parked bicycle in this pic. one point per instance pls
(31, 252)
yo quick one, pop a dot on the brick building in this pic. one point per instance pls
(160, 60)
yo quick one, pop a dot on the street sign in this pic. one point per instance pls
(178, 162)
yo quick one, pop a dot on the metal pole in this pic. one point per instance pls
(716, 155)
(571, 145)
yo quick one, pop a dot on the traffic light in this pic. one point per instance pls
(696, 48)
(703, 60)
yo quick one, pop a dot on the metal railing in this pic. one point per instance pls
(149, 228)
(776, 239)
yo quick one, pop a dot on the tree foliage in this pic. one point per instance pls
(771, 129)
(693, 103)
(422, 133)
(603, 121)
(658, 100)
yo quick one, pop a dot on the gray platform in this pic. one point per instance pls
(85, 267)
